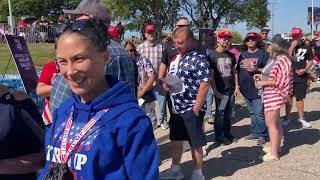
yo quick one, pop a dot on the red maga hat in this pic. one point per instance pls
(113, 32)
(150, 27)
(296, 31)
(224, 33)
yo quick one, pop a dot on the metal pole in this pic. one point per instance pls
(312, 14)
(10, 17)
(272, 18)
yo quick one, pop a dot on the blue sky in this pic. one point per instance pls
(287, 14)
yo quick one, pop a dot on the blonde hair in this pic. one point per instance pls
(277, 51)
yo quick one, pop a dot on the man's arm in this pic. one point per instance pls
(236, 80)
(162, 70)
(201, 97)
(148, 85)
(43, 89)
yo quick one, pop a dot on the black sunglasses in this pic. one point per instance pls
(251, 39)
(131, 50)
(79, 25)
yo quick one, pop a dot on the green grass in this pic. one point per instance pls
(40, 54)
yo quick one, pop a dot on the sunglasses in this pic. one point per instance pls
(81, 25)
(186, 25)
(250, 39)
(131, 50)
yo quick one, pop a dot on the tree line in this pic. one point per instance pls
(164, 13)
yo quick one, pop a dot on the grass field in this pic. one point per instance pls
(40, 54)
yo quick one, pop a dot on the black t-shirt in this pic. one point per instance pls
(246, 82)
(168, 53)
(16, 138)
(221, 64)
(302, 53)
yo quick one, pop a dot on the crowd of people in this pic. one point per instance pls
(101, 94)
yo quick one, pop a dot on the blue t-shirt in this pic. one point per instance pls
(246, 82)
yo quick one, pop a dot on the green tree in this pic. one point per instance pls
(257, 13)
(140, 12)
(211, 14)
(48, 8)
(236, 37)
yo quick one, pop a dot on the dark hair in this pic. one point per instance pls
(129, 43)
(259, 43)
(96, 34)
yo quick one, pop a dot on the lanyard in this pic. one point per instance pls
(64, 152)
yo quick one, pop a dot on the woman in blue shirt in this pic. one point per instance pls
(99, 132)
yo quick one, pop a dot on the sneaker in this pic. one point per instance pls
(268, 158)
(171, 174)
(284, 121)
(267, 150)
(164, 125)
(251, 137)
(305, 124)
(197, 177)
(261, 141)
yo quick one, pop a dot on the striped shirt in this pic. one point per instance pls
(275, 97)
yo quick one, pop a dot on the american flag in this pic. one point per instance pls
(193, 69)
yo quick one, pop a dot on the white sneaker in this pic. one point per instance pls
(305, 124)
(170, 174)
(197, 177)
(164, 125)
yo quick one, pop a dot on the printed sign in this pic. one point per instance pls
(23, 61)
(207, 38)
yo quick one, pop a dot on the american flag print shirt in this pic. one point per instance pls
(193, 69)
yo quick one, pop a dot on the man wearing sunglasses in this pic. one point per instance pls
(119, 66)
(264, 33)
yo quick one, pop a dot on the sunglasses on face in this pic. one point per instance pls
(81, 25)
(250, 39)
(183, 25)
(131, 50)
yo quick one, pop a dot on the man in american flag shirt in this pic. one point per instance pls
(192, 69)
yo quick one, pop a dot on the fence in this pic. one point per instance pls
(32, 33)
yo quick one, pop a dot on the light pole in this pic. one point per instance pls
(272, 15)
(10, 17)
(312, 18)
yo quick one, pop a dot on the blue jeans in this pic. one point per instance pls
(209, 101)
(258, 125)
(222, 124)
(162, 101)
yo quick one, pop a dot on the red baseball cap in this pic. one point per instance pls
(150, 27)
(317, 33)
(113, 32)
(296, 31)
(224, 33)
(252, 34)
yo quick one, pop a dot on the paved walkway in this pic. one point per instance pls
(300, 157)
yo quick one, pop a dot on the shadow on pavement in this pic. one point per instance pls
(231, 160)
(309, 116)
(295, 136)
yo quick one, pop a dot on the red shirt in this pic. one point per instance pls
(48, 71)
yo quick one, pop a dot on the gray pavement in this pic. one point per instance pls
(300, 157)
